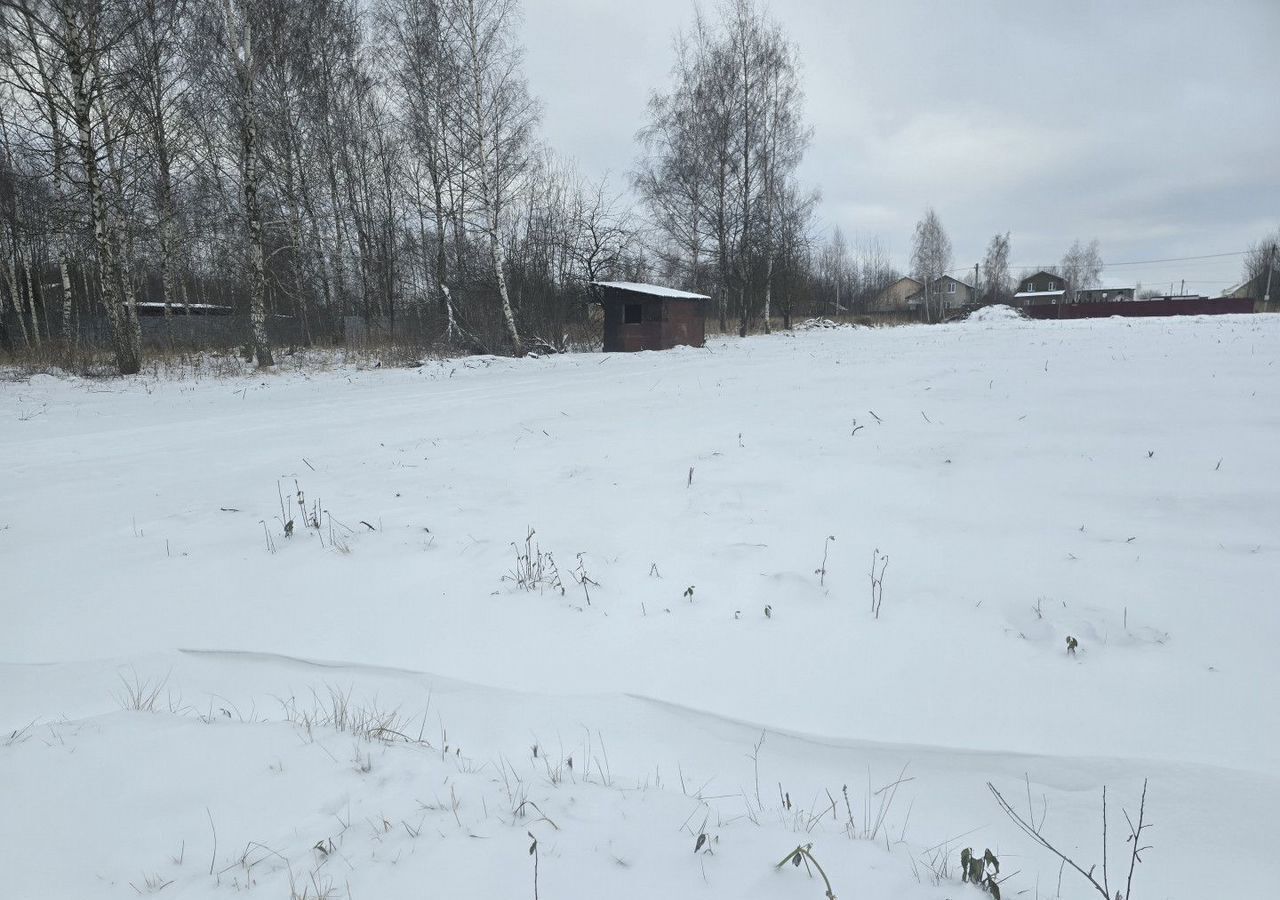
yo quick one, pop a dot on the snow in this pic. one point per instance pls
(152, 304)
(1025, 294)
(997, 312)
(655, 290)
(1103, 479)
(820, 323)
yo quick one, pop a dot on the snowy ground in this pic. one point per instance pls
(1109, 480)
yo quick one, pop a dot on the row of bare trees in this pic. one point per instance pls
(717, 173)
(849, 279)
(338, 163)
(303, 163)
(932, 257)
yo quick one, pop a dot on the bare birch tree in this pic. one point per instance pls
(720, 152)
(57, 50)
(426, 76)
(238, 36)
(995, 270)
(930, 257)
(496, 121)
(155, 90)
(1081, 268)
(375, 161)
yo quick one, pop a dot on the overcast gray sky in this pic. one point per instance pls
(1153, 125)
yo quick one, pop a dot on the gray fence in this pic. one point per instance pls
(179, 332)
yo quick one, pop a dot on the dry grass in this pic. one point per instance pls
(141, 694)
(367, 721)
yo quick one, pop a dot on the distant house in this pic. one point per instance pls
(946, 294)
(1104, 295)
(1049, 288)
(1040, 288)
(893, 299)
(1256, 287)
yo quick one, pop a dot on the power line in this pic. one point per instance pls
(1134, 262)
(1147, 262)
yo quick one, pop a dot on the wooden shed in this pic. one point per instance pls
(649, 316)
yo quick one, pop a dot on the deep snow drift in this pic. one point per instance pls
(1110, 480)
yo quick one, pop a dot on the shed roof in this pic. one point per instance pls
(653, 290)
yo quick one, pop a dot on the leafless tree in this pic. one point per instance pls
(602, 230)
(719, 156)
(1259, 254)
(836, 270)
(930, 257)
(426, 78)
(1261, 260)
(157, 85)
(61, 54)
(240, 22)
(1081, 269)
(875, 271)
(372, 162)
(496, 122)
(995, 270)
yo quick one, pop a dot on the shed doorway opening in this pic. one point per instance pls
(631, 314)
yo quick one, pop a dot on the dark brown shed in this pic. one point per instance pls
(650, 317)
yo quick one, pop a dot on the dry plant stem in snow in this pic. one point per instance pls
(877, 580)
(803, 854)
(533, 851)
(534, 570)
(1134, 839)
(140, 694)
(821, 571)
(580, 575)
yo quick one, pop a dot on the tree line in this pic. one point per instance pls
(313, 163)
(311, 160)
(322, 160)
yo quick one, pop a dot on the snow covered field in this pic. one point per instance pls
(371, 709)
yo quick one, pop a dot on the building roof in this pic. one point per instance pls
(939, 279)
(1254, 287)
(1039, 293)
(653, 290)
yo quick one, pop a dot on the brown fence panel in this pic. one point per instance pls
(1190, 306)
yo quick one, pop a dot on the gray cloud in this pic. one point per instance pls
(1149, 125)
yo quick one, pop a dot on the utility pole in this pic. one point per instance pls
(1271, 267)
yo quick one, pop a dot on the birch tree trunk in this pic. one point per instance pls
(61, 184)
(124, 339)
(240, 54)
(497, 255)
(11, 280)
(253, 216)
(64, 269)
(768, 293)
(442, 283)
(121, 234)
(31, 298)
